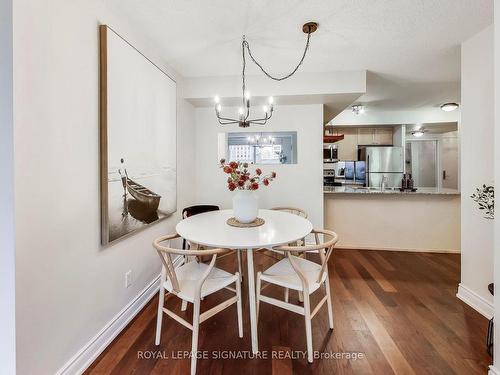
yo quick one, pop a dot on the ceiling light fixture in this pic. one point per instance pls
(259, 141)
(418, 133)
(358, 109)
(448, 107)
(244, 111)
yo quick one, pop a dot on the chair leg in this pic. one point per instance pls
(159, 317)
(329, 301)
(307, 316)
(194, 343)
(286, 294)
(184, 305)
(257, 295)
(238, 254)
(238, 307)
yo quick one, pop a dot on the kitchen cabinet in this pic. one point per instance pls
(348, 147)
(354, 136)
(375, 136)
(365, 136)
(383, 136)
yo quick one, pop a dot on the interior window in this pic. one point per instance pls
(259, 148)
(243, 153)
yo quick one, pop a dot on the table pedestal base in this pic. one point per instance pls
(251, 301)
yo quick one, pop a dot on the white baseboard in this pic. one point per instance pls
(493, 370)
(86, 355)
(475, 301)
(441, 251)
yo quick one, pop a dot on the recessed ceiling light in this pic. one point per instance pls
(358, 109)
(448, 107)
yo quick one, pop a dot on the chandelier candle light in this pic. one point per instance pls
(243, 119)
(245, 207)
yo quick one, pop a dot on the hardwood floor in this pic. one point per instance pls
(399, 310)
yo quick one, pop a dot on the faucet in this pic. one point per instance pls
(383, 183)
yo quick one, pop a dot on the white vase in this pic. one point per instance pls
(245, 206)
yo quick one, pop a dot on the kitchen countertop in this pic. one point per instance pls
(361, 190)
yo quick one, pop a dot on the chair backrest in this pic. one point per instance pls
(292, 210)
(198, 209)
(166, 252)
(195, 210)
(324, 249)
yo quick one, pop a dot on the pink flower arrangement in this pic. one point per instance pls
(240, 177)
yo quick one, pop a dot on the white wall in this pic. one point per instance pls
(303, 85)
(377, 117)
(496, 354)
(298, 184)
(477, 155)
(68, 286)
(429, 223)
(7, 250)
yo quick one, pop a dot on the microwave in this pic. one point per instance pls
(330, 153)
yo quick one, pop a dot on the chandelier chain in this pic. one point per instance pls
(247, 46)
(244, 111)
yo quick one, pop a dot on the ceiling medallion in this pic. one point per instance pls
(243, 119)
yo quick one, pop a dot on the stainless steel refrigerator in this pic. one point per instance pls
(382, 161)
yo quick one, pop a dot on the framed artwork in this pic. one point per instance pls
(137, 139)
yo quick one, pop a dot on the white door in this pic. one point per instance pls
(449, 163)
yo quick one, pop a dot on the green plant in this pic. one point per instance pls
(485, 198)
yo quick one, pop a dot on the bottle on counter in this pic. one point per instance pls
(410, 182)
(404, 182)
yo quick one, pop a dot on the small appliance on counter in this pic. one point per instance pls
(329, 175)
(351, 172)
(330, 153)
(407, 183)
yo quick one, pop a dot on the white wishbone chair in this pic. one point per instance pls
(191, 282)
(303, 275)
(196, 210)
(299, 212)
(292, 210)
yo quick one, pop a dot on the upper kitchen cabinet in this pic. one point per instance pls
(365, 136)
(355, 136)
(383, 136)
(347, 148)
(375, 136)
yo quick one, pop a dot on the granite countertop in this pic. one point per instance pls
(361, 190)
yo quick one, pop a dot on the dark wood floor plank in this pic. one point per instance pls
(398, 310)
(372, 309)
(374, 272)
(282, 364)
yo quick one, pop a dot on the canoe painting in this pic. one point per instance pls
(138, 139)
(143, 195)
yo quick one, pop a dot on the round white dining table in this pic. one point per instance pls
(211, 229)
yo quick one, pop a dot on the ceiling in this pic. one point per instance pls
(409, 40)
(387, 92)
(411, 48)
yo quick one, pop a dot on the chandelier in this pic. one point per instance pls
(258, 141)
(244, 119)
